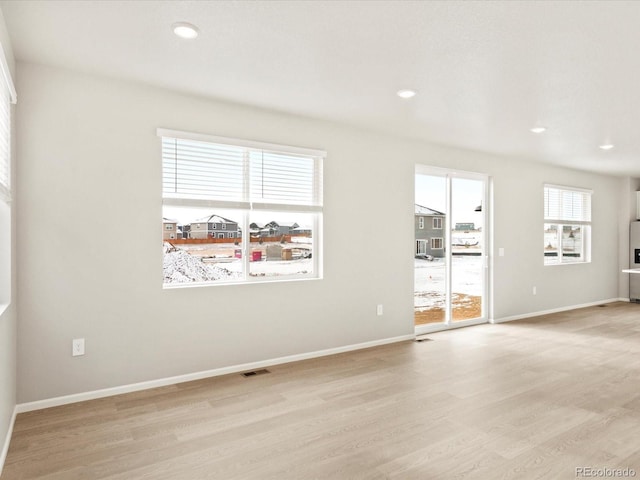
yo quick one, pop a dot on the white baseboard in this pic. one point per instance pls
(556, 310)
(162, 382)
(7, 439)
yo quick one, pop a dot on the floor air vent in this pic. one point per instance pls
(423, 339)
(256, 372)
(603, 305)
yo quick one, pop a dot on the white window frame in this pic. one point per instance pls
(421, 223)
(436, 240)
(437, 223)
(8, 97)
(572, 217)
(245, 206)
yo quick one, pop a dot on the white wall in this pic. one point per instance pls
(7, 315)
(90, 160)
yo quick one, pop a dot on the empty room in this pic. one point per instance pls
(319, 240)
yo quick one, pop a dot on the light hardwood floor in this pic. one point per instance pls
(530, 399)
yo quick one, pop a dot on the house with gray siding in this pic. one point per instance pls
(281, 228)
(214, 226)
(429, 231)
(273, 228)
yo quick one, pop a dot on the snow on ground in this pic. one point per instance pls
(274, 268)
(210, 262)
(181, 267)
(466, 279)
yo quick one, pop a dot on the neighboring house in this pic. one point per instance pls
(281, 228)
(273, 229)
(267, 232)
(170, 229)
(429, 231)
(214, 226)
(301, 230)
(255, 229)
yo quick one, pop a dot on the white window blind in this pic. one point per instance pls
(222, 172)
(567, 205)
(282, 178)
(192, 169)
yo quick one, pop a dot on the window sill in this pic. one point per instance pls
(261, 281)
(562, 264)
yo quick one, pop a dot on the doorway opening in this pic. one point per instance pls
(451, 245)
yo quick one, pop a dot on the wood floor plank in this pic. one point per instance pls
(530, 399)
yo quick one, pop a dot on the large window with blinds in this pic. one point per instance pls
(239, 211)
(567, 225)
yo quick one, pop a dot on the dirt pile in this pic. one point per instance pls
(465, 307)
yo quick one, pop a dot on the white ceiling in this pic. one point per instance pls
(486, 72)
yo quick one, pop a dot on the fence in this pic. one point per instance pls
(193, 241)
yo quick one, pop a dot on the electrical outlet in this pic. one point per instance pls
(379, 310)
(501, 252)
(77, 347)
(535, 291)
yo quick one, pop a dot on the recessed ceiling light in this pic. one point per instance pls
(406, 93)
(538, 129)
(185, 30)
(606, 146)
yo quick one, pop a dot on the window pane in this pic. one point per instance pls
(467, 265)
(550, 244)
(567, 205)
(196, 249)
(570, 238)
(193, 169)
(5, 128)
(572, 244)
(282, 178)
(430, 301)
(281, 244)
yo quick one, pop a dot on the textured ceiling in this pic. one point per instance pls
(486, 72)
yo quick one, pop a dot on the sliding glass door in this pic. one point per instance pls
(451, 268)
